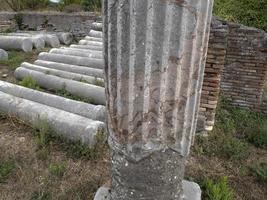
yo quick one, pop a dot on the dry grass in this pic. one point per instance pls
(32, 179)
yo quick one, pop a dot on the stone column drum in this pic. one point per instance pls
(154, 53)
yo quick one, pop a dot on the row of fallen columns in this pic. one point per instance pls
(77, 70)
(26, 41)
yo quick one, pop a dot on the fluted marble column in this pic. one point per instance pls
(154, 54)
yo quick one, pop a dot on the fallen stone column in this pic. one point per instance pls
(65, 124)
(94, 112)
(154, 52)
(97, 34)
(64, 38)
(91, 47)
(76, 52)
(93, 39)
(71, 68)
(86, 42)
(73, 60)
(38, 41)
(15, 43)
(3, 55)
(63, 74)
(94, 93)
(97, 26)
(51, 40)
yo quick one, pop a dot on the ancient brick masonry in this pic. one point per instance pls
(245, 72)
(237, 65)
(212, 77)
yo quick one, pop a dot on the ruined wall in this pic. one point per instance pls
(244, 74)
(77, 23)
(212, 77)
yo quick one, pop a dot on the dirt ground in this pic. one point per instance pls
(31, 178)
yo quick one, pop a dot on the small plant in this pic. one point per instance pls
(58, 169)
(19, 20)
(29, 82)
(6, 169)
(259, 170)
(3, 116)
(258, 136)
(217, 190)
(66, 94)
(43, 139)
(14, 60)
(41, 195)
(91, 5)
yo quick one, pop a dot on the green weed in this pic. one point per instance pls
(6, 168)
(259, 170)
(41, 195)
(29, 82)
(57, 169)
(219, 190)
(14, 60)
(66, 94)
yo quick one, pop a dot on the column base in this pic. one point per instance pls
(191, 191)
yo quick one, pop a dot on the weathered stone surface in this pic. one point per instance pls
(94, 93)
(94, 43)
(3, 55)
(15, 43)
(97, 26)
(94, 112)
(71, 68)
(38, 41)
(93, 39)
(91, 47)
(155, 55)
(73, 60)
(97, 34)
(68, 125)
(64, 74)
(191, 191)
(77, 52)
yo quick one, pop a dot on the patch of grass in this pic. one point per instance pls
(66, 94)
(258, 136)
(29, 82)
(45, 138)
(57, 169)
(42, 133)
(219, 190)
(99, 82)
(41, 195)
(222, 146)
(259, 170)
(6, 168)
(14, 59)
(78, 150)
(3, 115)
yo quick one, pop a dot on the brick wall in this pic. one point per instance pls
(212, 77)
(245, 71)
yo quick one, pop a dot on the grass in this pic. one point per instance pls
(259, 170)
(6, 168)
(234, 129)
(29, 82)
(45, 138)
(14, 59)
(57, 169)
(219, 190)
(66, 94)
